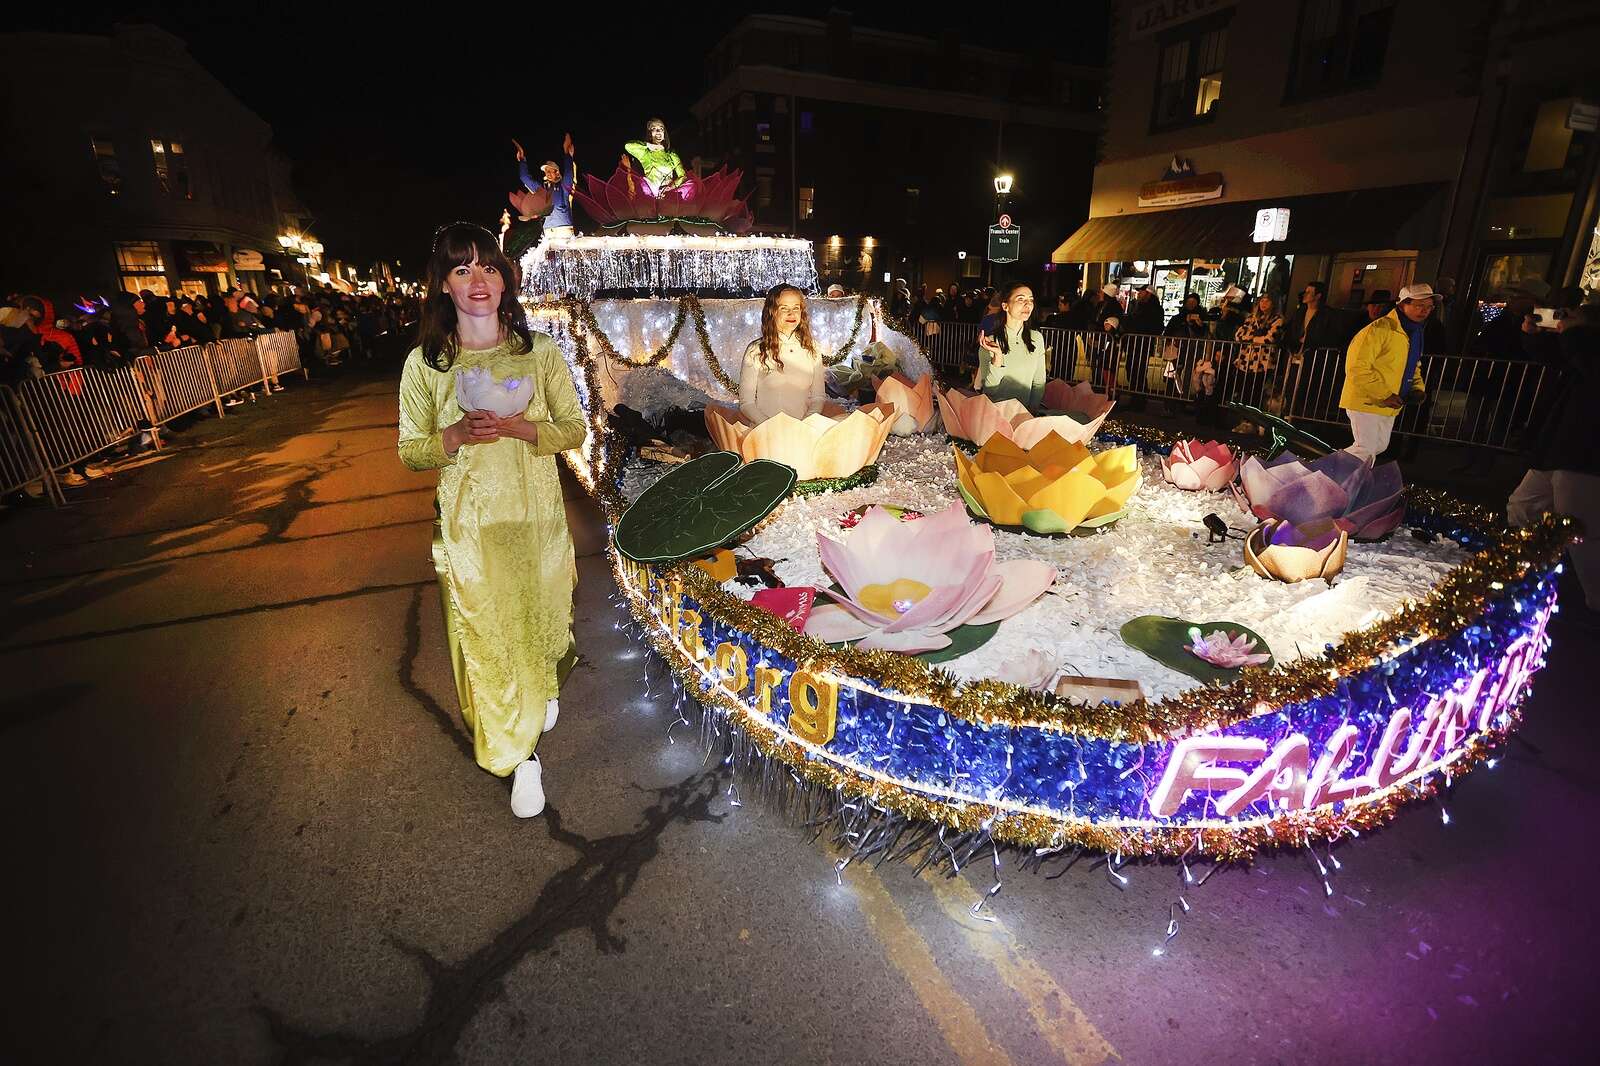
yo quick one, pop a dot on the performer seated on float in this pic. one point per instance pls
(782, 371)
(1012, 358)
(558, 181)
(655, 160)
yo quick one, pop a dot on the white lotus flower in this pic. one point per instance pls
(477, 390)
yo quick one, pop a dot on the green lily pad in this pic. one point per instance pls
(1165, 639)
(700, 506)
(1286, 436)
(962, 640)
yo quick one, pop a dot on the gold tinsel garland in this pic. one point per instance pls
(1028, 830)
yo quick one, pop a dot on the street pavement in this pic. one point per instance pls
(246, 827)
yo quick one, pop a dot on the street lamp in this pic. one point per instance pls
(1002, 188)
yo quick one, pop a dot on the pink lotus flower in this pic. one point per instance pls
(1078, 398)
(627, 198)
(908, 584)
(1220, 650)
(973, 416)
(1200, 466)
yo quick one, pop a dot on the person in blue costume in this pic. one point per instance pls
(558, 181)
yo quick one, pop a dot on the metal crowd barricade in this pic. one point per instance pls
(21, 455)
(280, 354)
(80, 413)
(1468, 399)
(178, 381)
(236, 364)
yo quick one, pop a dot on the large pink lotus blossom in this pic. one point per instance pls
(975, 417)
(1220, 650)
(1200, 466)
(906, 585)
(627, 198)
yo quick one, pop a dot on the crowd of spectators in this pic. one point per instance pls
(37, 338)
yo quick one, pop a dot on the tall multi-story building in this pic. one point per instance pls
(883, 147)
(131, 167)
(1417, 139)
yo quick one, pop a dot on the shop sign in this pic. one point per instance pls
(1180, 185)
(248, 259)
(1153, 16)
(201, 261)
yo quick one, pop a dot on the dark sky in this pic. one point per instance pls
(400, 119)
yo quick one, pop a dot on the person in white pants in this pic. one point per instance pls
(1383, 371)
(1565, 474)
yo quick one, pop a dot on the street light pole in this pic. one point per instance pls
(1002, 189)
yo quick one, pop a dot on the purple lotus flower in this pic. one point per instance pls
(1282, 550)
(1366, 502)
(1220, 650)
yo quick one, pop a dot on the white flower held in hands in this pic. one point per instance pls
(477, 390)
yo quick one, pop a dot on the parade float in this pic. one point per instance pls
(1039, 629)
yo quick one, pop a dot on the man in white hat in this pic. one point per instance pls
(1383, 371)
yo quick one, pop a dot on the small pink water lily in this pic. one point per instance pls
(1200, 466)
(1220, 650)
(477, 390)
(906, 585)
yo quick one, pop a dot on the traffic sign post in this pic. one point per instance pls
(1272, 224)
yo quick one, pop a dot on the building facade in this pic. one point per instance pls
(133, 168)
(882, 148)
(1409, 139)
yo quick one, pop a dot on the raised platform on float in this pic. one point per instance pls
(669, 265)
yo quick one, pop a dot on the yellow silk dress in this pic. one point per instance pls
(500, 544)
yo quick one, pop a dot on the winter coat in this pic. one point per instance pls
(1261, 333)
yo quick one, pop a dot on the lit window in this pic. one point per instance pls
(158, 152)
(1208, 89)
(1189, 77)
(140, 266)
(808, 201)
(104, 153)
(764, 132)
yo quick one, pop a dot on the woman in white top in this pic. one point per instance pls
(783, 370)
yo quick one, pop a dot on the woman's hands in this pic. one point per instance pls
(483, 427)
(990, 345)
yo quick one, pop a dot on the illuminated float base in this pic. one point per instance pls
(1330, 744)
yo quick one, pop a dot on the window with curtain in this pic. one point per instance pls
(1189, 77)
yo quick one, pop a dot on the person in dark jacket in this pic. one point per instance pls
(187, 324)
(127, 327)
(1314, 327)
(1564, 473)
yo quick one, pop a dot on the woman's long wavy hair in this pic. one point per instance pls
(769, 327)
(456, 245)
(1027, 330)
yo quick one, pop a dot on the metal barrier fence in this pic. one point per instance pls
(80, 413)
(1468, 399)
(21, 461)
(53, 422)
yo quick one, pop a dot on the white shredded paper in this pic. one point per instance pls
(1154, 561)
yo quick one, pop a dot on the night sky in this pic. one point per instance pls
(398, 123)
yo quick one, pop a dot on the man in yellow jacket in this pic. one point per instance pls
(1383, 371)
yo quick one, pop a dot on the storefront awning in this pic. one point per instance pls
(1400, 216)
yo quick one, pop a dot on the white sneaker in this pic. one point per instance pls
(527, 790)
(71, 477)
(552, 710)
(232, 401)
(90, 470)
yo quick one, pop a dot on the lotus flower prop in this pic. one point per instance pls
(1034, 668)
(1367, 503)
(531, 204)
(907, 585)
(912, 402)
(1288, 552)
(817, 446)
(626, 199)
(477, 390)
(1078, 399)
(1200, 466)
(1053, 487)
(973, 416)
(1221, 650)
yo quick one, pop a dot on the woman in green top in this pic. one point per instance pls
(1012, 362)
(500, 542)
(657, 162)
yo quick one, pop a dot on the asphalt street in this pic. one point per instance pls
(246, 828)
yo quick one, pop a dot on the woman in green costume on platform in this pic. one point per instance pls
(500, 545)
(655, 159)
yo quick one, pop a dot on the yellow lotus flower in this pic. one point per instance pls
(817, 446)
(912, 400)
(1054, 487)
